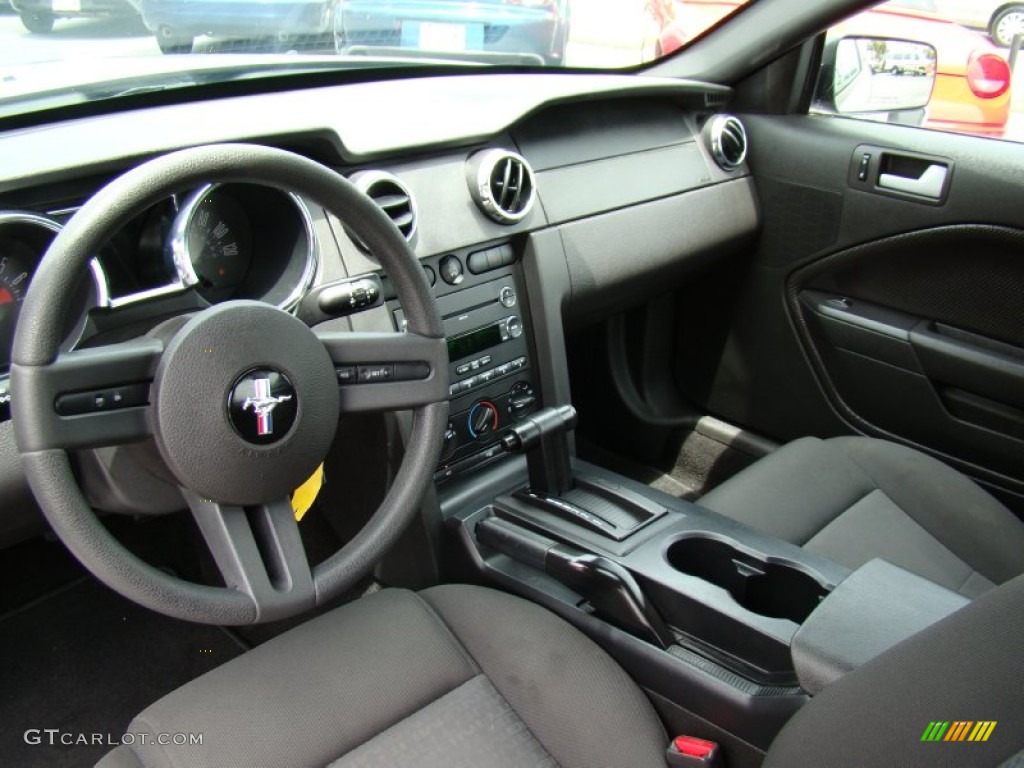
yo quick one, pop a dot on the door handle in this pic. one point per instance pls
(929, 184)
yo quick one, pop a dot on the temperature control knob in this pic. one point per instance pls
(483, 418)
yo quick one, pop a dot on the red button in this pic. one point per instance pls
(688, 745)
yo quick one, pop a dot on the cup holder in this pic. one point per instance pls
(775, 589)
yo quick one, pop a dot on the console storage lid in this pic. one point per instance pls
(873, 609)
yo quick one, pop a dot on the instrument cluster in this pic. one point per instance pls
(219, 242)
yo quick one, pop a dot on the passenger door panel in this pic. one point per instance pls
(891, 312)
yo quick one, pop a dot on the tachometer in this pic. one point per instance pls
(24, 238)
(15, 259)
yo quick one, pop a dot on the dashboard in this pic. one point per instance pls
(532, 201)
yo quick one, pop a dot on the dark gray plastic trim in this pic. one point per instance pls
(368, 347)
(984, 370)
(103, 367)
(274, 573)
(549, 287)
(873, 609)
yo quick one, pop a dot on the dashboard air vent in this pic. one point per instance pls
(502, 185)
(393, 197)
(712, 100)
(728, 141)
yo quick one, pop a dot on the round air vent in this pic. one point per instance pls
(393, 197)
(728, 141)
(502, 185)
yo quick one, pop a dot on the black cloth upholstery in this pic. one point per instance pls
(473, 722)
(853, 499)
(474, 669)
(965, 667)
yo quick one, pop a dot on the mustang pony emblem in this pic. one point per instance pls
(263, 403)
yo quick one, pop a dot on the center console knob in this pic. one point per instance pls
(451, 441)
(521, 400)
(483, 418)
(507, 297)
(514, 327)
(451, 270)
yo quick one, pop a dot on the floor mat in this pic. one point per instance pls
(642, 473)
(84, 660)
(701, 462)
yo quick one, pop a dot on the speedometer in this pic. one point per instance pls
(244, 241)
(217, 237)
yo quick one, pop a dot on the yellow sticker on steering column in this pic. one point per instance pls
(304, 496)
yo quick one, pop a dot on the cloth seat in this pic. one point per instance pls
(452, 676)
(852, 499)
(464, 677)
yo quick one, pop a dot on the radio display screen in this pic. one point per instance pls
(475, 341)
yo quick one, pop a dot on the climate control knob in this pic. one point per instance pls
(521, 400)
(482, 419)
(451, 441)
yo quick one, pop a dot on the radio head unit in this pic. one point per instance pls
(490, 386)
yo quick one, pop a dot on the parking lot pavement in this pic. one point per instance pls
(73, 38)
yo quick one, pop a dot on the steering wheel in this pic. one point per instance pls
(242, 401)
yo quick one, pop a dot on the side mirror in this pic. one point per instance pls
(891, 80)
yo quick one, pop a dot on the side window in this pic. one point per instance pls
(937, 64)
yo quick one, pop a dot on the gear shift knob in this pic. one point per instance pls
(542, 436)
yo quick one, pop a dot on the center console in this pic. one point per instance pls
(702, 611)
(487, 326)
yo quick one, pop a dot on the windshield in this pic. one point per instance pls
(57, 52)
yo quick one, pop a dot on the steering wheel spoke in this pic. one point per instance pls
(91, 397)
(259, 552)
(387, 371)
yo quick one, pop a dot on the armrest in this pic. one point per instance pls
(873, 609)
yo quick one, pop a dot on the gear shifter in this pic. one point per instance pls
(543, 437)
(605, 508)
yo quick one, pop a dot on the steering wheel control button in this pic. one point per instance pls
(81, 403)
(263, 406)
(368, 374)
(411, 371)
(376, 373)
(451, 270)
